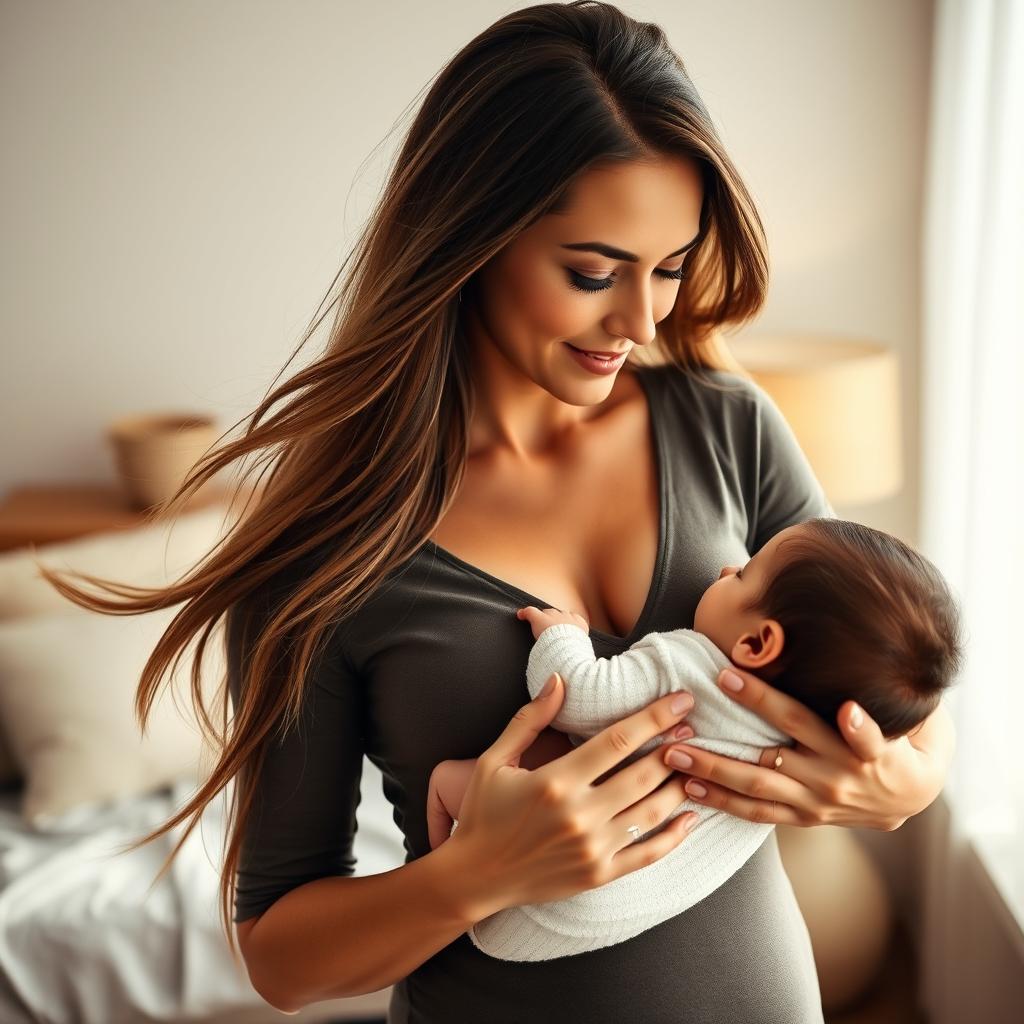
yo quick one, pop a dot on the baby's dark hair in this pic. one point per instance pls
(865, 618)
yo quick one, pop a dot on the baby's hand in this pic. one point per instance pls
(448, 784)
(540, 620)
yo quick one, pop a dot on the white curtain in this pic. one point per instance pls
(972, 435)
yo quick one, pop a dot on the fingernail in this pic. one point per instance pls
(548, 687)
(731, 681)
(678, 759)
(856, 717)
(683, 732)
(680, 703)
(696, 789)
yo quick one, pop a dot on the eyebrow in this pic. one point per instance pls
(613, 253)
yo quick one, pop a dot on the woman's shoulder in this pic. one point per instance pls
(743, 428)
(707, 395)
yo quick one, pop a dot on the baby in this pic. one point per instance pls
(826, 611)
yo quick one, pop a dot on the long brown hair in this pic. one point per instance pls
(369, 445)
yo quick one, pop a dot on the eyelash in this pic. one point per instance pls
(602, 284)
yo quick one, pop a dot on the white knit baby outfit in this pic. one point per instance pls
(599, 692)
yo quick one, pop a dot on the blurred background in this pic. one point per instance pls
(180, 183)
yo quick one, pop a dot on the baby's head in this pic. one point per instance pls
(829, 611)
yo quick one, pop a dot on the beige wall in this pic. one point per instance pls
(181, 181)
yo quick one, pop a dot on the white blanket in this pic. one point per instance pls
(81, 940)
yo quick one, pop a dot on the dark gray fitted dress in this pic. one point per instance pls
(433, 667)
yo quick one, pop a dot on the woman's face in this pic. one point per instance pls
(548, 290)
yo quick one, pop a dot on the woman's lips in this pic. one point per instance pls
(593, 362)
(603, 355)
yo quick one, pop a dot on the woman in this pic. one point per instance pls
(452, 456)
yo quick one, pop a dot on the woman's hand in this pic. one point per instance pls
(868, 780)
(450, 779)
(533, 836)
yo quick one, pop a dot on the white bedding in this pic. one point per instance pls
(81, 940)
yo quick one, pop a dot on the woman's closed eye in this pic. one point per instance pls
(583, 283)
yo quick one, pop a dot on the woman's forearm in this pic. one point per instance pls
(346, 936)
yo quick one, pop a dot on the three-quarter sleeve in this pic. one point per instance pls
(303, 818)
(786, 490)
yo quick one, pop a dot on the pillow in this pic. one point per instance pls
(146, 556)
(67, 691)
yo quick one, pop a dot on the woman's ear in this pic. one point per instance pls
(753, 650)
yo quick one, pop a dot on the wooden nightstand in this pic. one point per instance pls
(47, 513)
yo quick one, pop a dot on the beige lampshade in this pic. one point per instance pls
(841, 396)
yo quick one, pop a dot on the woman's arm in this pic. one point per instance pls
(853, 777)
(337, 937)
(524, 837)
(857, 778)
(301, 938)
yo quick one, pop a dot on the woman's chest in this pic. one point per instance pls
(442, 657)
(580, 536)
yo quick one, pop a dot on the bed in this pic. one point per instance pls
(81, 940)
(85, 935)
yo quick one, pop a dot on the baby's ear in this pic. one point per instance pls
(756, 649)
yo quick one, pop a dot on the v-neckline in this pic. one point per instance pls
(662, 463)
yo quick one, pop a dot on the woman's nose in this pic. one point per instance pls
(636, 317)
